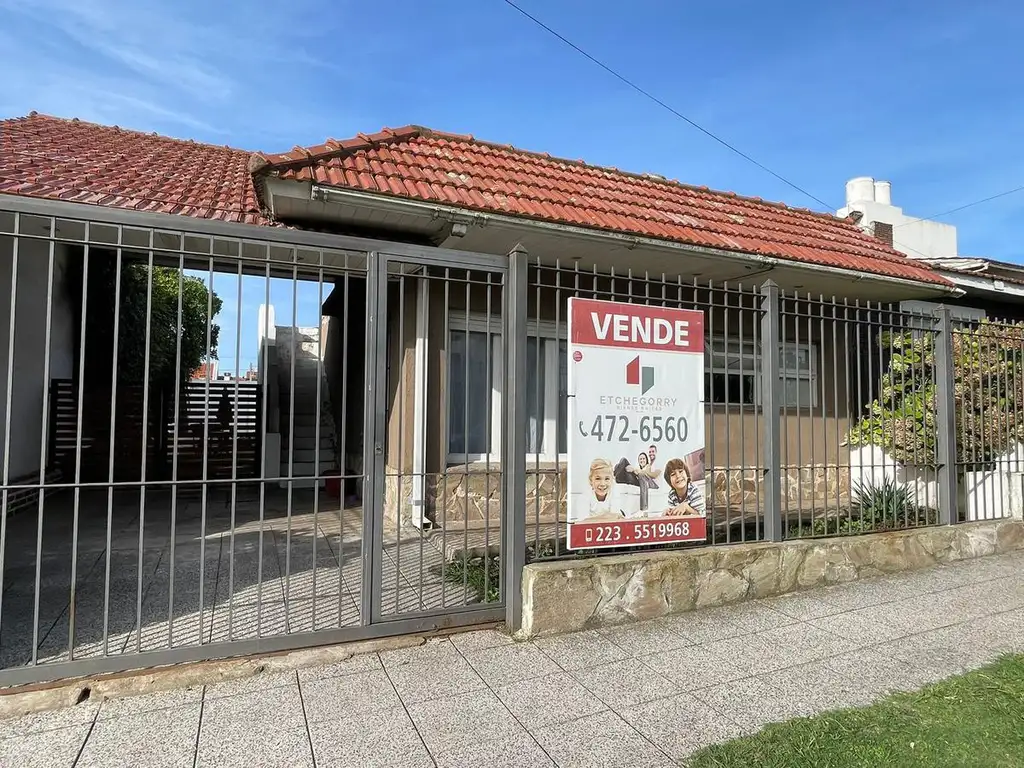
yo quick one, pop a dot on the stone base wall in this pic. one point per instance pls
(605, 591)
(474, 495)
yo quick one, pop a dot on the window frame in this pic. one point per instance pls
(750, 356)
(545, 330)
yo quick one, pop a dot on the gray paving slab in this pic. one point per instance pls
(644, 637)
(335, 698)
(550, 700)
(508, 664)
(378, 739)
(579, 650)
(57, 748)
(626, 683)
(455, 722)
(162, 739)
(518, 751)
(681, 724)
(599, 741)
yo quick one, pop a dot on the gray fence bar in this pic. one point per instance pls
(514, 313)
(771, 397)
(945, 406)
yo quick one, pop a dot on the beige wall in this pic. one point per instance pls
(812, 436)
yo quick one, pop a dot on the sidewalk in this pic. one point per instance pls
(643, 695)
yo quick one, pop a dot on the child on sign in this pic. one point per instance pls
(602, 486)
(684, 498)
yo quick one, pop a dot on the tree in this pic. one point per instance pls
(196, 303)
(988, 392)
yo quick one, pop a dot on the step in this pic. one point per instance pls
(305, 468)
(308, 455)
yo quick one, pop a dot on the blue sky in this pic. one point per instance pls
(924, 94)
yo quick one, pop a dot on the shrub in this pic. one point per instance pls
(988, 391)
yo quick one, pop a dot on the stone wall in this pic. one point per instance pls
(473, 495)
(604, 591)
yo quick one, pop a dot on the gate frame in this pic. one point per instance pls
(378, 253)
(375, 435)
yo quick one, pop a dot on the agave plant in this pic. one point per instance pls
(887, 504)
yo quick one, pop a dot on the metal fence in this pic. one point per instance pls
(396, 452)
(823, 416)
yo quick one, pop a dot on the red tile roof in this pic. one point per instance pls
(463, 172)
(42, 156)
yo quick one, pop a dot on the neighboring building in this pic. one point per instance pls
(990, 288)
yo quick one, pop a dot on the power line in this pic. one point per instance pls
(662, 104)
(962, 207)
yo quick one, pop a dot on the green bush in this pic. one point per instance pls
(988, 373)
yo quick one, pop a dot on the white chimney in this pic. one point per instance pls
(883, 192)
(860, 190)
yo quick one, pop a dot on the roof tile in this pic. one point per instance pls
(43, 156)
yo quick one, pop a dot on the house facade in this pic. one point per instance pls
(408, 257)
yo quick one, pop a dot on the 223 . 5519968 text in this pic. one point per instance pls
(619, 428)
(633, 532)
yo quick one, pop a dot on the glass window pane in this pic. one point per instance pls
(534, 394)
(793, 388)
(563, 397)
(469, 395)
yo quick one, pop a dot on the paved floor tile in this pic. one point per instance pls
(695, 666)
(681, 724)
(819, 686)
(159, 739)
(335, 698)
(243, 746)
(467, 642)
(252, 684)
(801, 643)
(646, 637)
(456, 721)
(279, 707)
(434, 679)
(625, 683)
(508, 664)
(874, 672)
(711, 624)
(579, 650)
(519, 751)
(751, 703)
(363, 662)
(80, 714)
(369, 740)
(863, 627)
(152, 702)
(549, 700)
(599, 741)
(55, 748)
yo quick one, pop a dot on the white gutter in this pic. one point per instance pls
(454, 213)
(419, 417)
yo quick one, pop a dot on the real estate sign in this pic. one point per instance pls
(636, 425)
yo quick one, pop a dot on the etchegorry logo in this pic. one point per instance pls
(640, 375)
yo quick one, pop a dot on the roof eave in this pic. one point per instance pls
(402, 203)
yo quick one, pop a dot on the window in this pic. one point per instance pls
(474, 391)
(733, 367)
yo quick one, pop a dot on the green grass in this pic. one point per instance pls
(975, 719)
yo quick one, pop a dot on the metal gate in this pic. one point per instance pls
(221, 439)
(437, 427)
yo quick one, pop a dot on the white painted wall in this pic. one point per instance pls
(916, 238)
(30, 343)
(988, 495)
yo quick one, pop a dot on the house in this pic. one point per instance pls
(415, 185)
(415, 248)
